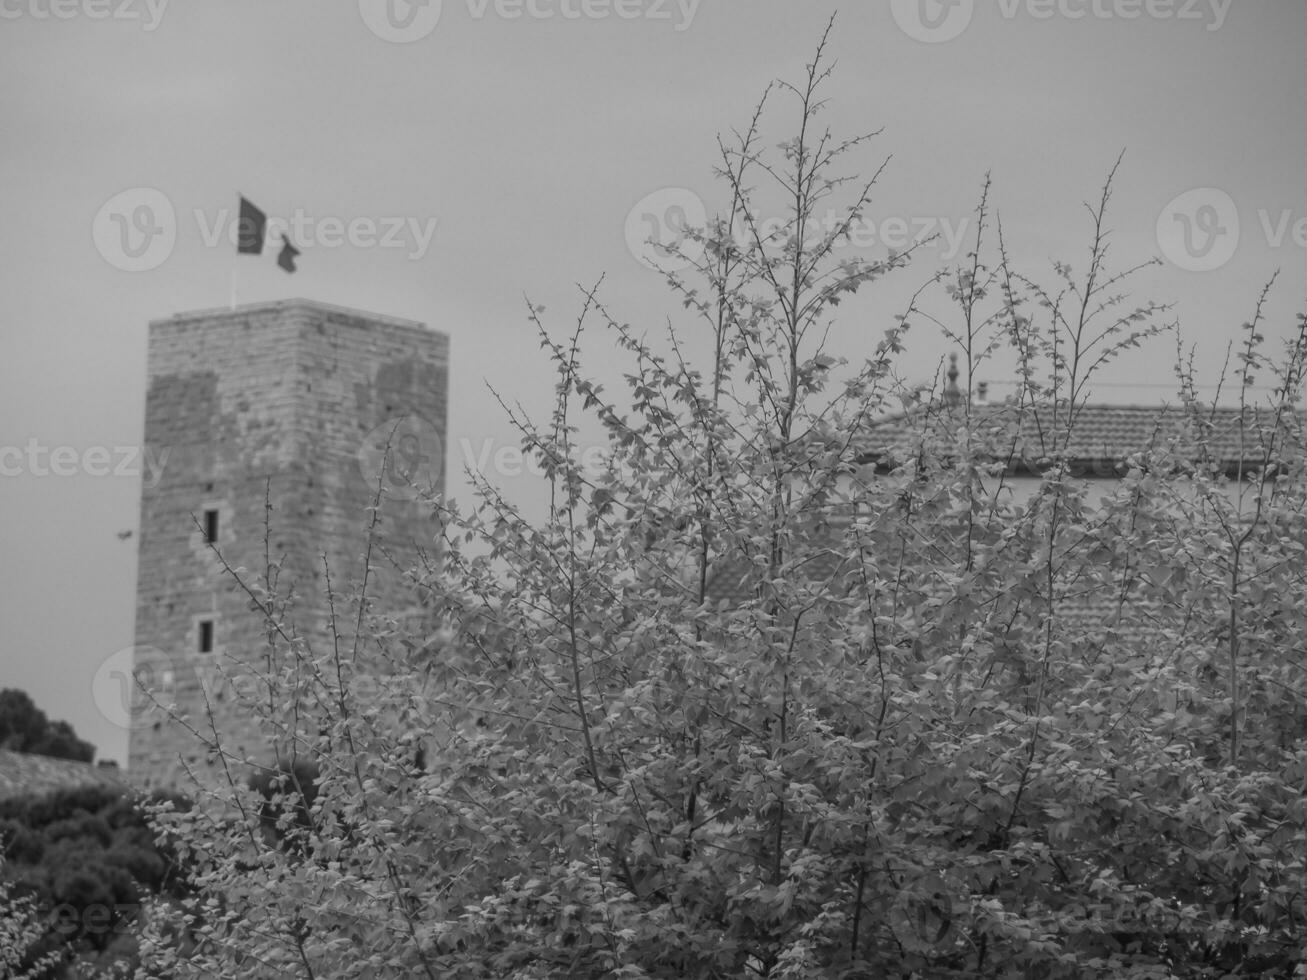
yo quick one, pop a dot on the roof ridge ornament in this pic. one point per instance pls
(952, 394)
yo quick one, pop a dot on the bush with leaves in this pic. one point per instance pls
(22, 930)
(907, 751)
(82, 861)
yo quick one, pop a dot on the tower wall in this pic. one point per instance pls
(276, 417)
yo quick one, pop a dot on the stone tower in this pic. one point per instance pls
(277, 416)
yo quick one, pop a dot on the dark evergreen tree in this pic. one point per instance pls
(25, 728)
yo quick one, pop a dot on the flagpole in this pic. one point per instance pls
(235, 259)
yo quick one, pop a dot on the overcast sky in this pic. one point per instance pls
(446, 160)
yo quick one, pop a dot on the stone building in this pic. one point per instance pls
(274, 424)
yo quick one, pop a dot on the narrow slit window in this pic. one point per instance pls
(206, 636)
(210, 525)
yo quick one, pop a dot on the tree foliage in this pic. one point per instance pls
(25, 728)
(950, 730)
(79, 863)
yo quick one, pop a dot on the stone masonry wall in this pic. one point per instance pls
(284, 405)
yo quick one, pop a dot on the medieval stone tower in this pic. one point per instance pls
(273, 423)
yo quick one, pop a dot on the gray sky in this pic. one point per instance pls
(497, 151)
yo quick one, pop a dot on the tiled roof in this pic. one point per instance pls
(1104, 433)
(1102, 436)
(26, 774)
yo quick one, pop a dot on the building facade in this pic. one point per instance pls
(274, 425)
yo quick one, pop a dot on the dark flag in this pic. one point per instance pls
(287, 257)
(251, 230)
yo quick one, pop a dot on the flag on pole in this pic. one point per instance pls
(251, 230)
(288, 252)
